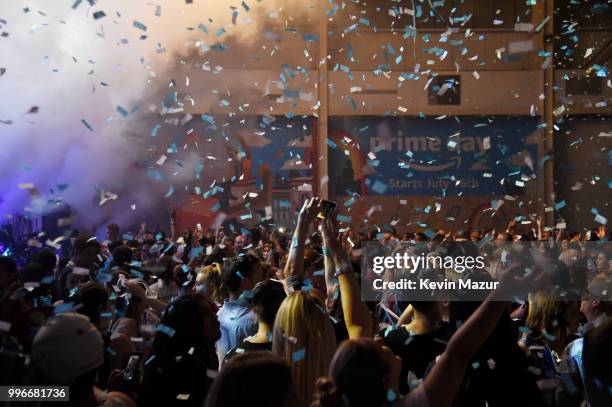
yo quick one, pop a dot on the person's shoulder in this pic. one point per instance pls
(396, 336)
(574, 349)
(247, 345)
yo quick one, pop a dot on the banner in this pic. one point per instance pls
(431, 156)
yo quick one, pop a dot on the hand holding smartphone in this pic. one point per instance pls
(327, 208)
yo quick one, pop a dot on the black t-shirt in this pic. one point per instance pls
(416, 351)
(184, 384)
(246, 346)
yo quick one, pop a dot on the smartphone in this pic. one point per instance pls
(131, 371)
(327, 208)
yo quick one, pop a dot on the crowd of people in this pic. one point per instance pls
(267, 317)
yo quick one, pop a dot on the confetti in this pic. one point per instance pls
(122, 111)
(298, 355)
(87, 125)
(5, 326)
(168, 331)
(139, 25)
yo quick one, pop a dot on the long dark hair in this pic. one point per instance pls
(356, 377)
(253, 378)
(184, 317)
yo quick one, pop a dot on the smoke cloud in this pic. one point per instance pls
(83, 84)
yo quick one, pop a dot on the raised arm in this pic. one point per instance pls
(295, 258)
(328, 262)
(406, 315)
(356, 315)
(172, 213)
(539, 224)
(442, 384)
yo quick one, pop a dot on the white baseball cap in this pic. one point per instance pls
(66, 347)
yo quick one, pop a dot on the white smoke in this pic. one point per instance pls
(79, 72)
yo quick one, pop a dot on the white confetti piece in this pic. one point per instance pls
(5, 326)
(161, 160)
(600, 219)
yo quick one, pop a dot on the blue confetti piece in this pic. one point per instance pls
(331, 143)
(298, 355)
(601, 71)
(60, 308)
(379, 187)
(310, 37)
(136, 273)
(195, 251)
(47, 280)
(429, 233)
(336, 294)
(122, 111)
(560, 205)
(391, 396)
(185, 268)
(295, 242)
(155, 175)
(548, 337)
(87, 125)
(409, 32)
(409, 76)
(220, 47)
(139, 25)
(343, 218)
(155, 129)
(166, 330)
(333, 10)
(524, 330)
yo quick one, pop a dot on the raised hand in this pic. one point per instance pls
(329, 230)
(602, 232)
(514, 281)
(309, 211)
(172, 214)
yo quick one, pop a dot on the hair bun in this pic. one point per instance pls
(325, 393)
